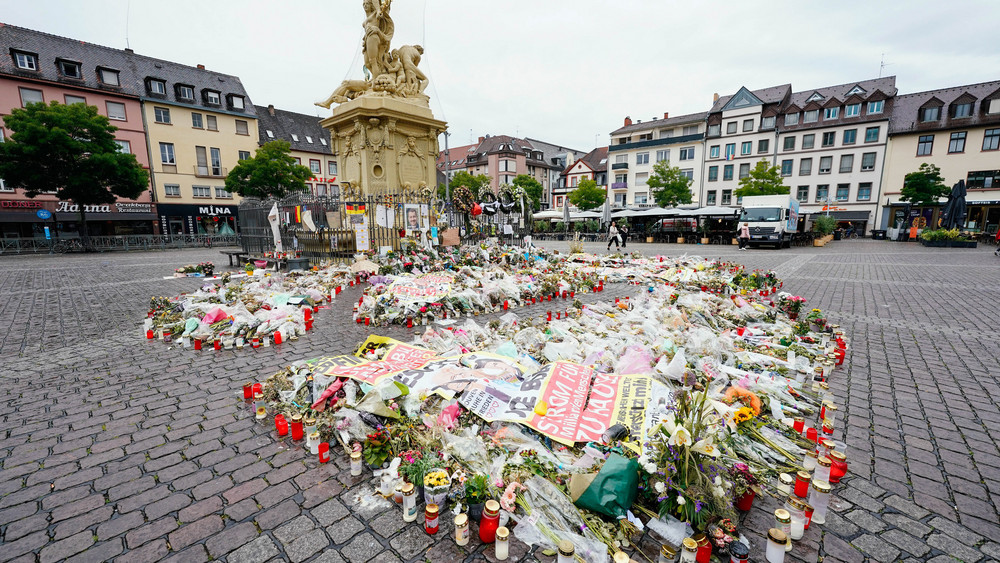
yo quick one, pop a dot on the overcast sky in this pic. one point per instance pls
(562, 71)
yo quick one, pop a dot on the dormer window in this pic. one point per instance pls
(156, 87)
(961, 110)
(185, 92)
(831, 113)
(108, 76)
(25, 61)
(930, 114)
(236, 102)
(213, 98)
(69, 69)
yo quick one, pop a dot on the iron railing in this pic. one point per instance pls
(114, 243)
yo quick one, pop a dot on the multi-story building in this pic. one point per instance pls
(636, 147)
(558, 157)
(309, 145)
(831, 147)
(38, 67)
(199, 123)
(958, 130)
(591, 166)
(501, 157)
(741, 131)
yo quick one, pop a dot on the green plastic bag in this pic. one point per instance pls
(611, 491)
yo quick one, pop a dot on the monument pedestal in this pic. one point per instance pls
(385, 144)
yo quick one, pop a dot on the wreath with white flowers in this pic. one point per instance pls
(462, 199)
(489, 204)
(509, 197)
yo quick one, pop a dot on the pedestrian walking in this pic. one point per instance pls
(744, 236)
(623, 233)
(613, 236)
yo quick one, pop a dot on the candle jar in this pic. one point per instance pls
(261, 412)
(502, 545)
(809, 514)
(314, 443)
(410, 502)
(819, 498)
(797, 510)
(809, 461)
(310, 424)
(431, 519)
(168, 337)
(822, 409)
(248, 390)
(704, 548)
(738, 552)
(297, 430)
(838, 466)
(802, 479)
(812, 434)
(265, 341)
(227, 343)
(827, 446)
(798, 424)
(690, 550)
(386, 485)
(776, 540)
(827, 370)
(620, 557)
(490, 521)
(667, 554)
(356, 463)
(567, 552)
(830, 416)
(258, 401)
(217, 344)
(280, 425)
(461, 529)
(786, 483)
(324, 452)
(197, 343)
(783, 522)
(822, 472)
(397, 493)
(239, 343)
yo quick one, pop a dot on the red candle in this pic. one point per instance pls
(558, 315)
(799, 424)
(409, 322)
(827, 429)
(616, 300)
(280, 425)
(248, 390)
(838, 467)
(308, 314)
(338, 290)
(309, 325)
(802, 484)
(297, 427)
(149, 334)
(197, 344)
(505, 305)
(572, 294)
(809, 516)
(811, 434)
(549, 318)
(217, 344)
(367, 321)
(324, 452)
(277, 338)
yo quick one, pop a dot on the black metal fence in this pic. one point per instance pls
(323, 227)
(114, 243)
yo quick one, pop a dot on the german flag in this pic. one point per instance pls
(355, 208)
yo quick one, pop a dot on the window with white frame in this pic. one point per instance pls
(331, 167)
(713, 173)
(957, 142)
(715, 130)
(161, 115)
(124, 146)
(808, 141)
(829, 138)
(575, 181)
(309, 139)
(238, 102)
(786, 167)
(243, 155)
(641, 178)
(70, 69)
(295, 137)
(822, 191)
(791, 119)
(172, 190)
(727, 197)
(270, 134)
(831, 113)
(213, 97)
(508, 165)
(108, 76)
(744, 170)
(641, 198)
(690, 130)
(746, 147)
(185, 92)
(811, 116)
(314, 166)
(31, 96)
(642, 158)
(843, 192)
(727, 172)
(621, 158)
(747, 125)
(846, 163)
(852, 110)
(767, 122)
(116, 111)
(710, 198)
(802, 194)
(216, 161)
(167, 153)
(201, 191)
(875, 107)
(825, 164)
(662, 155)
(212, 123)
(730, 150)
(731, 127)
(865, 191)
(221, 193)
(805, 167)
(930, 114)
(687, 153)
(157, 87)
(242, 128)
(196, 121)
(688, 173)
(70, 100)
(25, 61)
(322, 141)
(868, 162)
(713, 151)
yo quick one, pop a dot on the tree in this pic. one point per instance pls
(587, 195)
(70, 149)
(272, 172)
(532, 191)
(463, 178)
(925, 186)
(763, 180)
(669, 186)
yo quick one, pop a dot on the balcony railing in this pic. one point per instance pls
(210, 171)
(619, 166)
(619, 185)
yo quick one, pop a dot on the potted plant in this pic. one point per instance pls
(745, 486)
(437, 482)
(477, 492)
(377, 449)
(824, 225)
(413, 467)
(703, 229)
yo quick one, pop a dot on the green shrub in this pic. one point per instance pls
(824, 224)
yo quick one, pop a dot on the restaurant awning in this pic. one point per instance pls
(846, 215)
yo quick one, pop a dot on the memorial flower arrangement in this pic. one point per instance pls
(791, 304)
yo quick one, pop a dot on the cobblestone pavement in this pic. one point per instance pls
(115, 448)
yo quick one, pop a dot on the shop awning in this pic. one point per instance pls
(847, 215)
(109, 217)
(19, 217)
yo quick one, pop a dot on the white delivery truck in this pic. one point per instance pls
(772, 219)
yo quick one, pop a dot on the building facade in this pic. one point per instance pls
(742, 130)
(38, 67)
(831, 148)
(309, 145)
(637, 146)
(502, 158)
(956, 129)
(558, 157)
(591, 166)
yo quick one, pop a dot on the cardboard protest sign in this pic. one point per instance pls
(427, 287)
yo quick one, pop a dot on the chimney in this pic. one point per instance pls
(201, 67)
(481, 139)
(715, 97)
(129, 51)
(628, 121)
(270, 109)
(666, 115)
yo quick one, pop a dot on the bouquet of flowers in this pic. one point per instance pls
(791, 304)
(206, 268)
(436, 485)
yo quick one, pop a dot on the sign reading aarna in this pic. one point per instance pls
(214, 210)
(66, 207)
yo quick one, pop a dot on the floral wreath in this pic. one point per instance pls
(508, 197)
(462, 199)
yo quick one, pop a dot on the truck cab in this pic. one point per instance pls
(772, 219)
